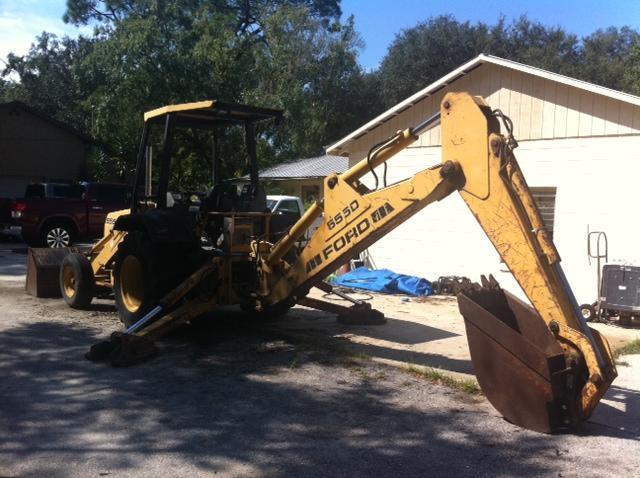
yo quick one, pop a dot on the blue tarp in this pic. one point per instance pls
(384, 280)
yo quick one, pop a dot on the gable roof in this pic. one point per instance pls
(317, 167)
(462, 71)
(45, 117)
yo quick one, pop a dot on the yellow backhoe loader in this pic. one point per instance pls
(540, 365)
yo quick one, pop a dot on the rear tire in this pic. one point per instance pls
(588, 312)
(77, 283)
(134, 281)
(143, 273)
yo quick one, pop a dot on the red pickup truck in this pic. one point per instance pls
(57, 214)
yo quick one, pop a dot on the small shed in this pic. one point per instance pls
(304, 177)
(579, 150)
(35, 147)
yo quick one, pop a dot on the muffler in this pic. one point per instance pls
(529, 374)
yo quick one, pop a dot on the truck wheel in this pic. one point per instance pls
(588, 312)
(134, 283)
(77, 283)
(57, 234)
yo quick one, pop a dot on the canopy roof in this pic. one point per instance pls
(212, 111)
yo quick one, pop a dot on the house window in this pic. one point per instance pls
(545, 198)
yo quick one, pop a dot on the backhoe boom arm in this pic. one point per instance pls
(478, 162)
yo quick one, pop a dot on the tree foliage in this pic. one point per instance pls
(422, 54)
(293, 54)
(298, 55)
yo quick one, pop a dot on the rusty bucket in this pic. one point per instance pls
(520, 365)
(43, 270)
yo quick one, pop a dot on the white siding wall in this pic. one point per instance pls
(596, 187)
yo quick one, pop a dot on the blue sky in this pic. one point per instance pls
(22, 20)
(378, 21)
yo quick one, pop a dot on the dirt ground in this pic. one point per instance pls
(304, 396)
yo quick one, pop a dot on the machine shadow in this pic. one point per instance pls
(617, 415)
(224, 403)
(402, 332)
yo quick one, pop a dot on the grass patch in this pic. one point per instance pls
(632, 347)
(433, 375)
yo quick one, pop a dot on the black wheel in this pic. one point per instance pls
(77, 283)
(134, 282)
(57, 234)
(588, 312)
(144, 273)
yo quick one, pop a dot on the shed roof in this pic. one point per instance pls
(317, 167)
(45, 117)
(462, 71)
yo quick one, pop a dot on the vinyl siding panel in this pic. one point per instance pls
(540, 109)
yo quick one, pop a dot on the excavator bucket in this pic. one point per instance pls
(519, 363)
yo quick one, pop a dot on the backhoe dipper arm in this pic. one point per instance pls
(573, 367)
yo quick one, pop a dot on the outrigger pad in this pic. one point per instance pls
(518, 362)
(361, 314)
(122, 350)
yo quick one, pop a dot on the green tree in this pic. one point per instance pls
(424, 53)
(420, 55)
(608, 58)
(296, 55)
(313, 74)
(47, 78)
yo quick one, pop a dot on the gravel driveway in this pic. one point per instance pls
(228, 398)
(240, 401)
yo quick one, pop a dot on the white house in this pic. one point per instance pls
(579, 150)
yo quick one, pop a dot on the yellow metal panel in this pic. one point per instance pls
(198, 105)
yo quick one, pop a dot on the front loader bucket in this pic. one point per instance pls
(518, 362)
(43, 271)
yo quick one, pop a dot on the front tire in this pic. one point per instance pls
(77, 283)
